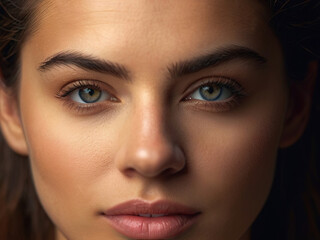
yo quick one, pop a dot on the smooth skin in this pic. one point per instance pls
(154, 138)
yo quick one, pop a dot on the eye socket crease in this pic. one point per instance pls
(175, 70)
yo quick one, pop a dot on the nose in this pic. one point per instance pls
(148, 148)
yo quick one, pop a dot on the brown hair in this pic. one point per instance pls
(292, 210)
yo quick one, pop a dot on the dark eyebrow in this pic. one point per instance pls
(86, 62)
(175, 70)
(212, 59)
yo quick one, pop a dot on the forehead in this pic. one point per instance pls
(142, 11)
(157, 28)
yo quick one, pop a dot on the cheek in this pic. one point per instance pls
(239, 173)
(67, 157)
(233, 162)
(240, 165)
(62, 155)
(69, 170)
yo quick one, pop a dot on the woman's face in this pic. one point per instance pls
(152, 100)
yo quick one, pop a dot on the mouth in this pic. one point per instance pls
(158, 220)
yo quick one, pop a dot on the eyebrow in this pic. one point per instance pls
(86, 62)
(178, 69)
(218, 57)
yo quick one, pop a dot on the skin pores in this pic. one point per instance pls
(151, 141)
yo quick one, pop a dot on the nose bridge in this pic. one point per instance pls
(150, 124)
(149, 148)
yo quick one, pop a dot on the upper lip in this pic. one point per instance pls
(136, 207)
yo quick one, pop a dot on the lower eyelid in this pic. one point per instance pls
(90, 108)
(214, 106)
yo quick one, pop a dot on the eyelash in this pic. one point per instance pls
(233, 86)
(237, 91)
(80, 107)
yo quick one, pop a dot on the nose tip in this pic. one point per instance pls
(152, 163)
(151, 159)
(151, 149)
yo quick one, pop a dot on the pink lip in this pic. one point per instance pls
(126, 220)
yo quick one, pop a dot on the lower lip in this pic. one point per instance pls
(151, 228)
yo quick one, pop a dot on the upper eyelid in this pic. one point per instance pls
(101, 85)
(212, 79)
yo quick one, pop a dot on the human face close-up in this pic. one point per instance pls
(160, 101)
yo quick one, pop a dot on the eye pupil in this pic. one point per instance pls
(89, 91)
(210, 92)
(89, 95)
(209, 89)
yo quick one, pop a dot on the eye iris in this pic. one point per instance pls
(210, 92)
(89, 95)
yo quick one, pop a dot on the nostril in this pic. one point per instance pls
(130, 172)
(153, 166)
(157, 156)
(169, 172)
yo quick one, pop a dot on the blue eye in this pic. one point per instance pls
(211, 92)
(86, 95)
(85, 92)
(89, 95)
